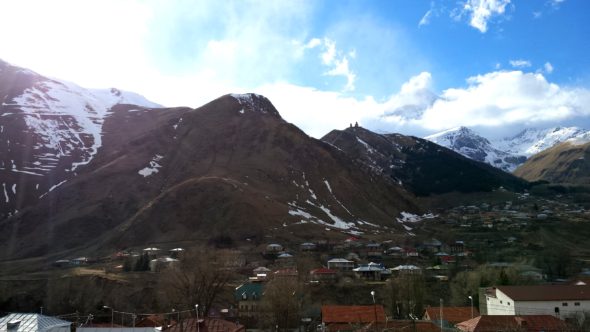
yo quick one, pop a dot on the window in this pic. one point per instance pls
(501, 302)
(577, 304)
(564, 304)
(508, 303)
(557, 310)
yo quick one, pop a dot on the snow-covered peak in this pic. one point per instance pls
(532, 141)
(470, 144)
(66, 120)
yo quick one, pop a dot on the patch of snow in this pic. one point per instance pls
(178, 123)
(366, 145)
(5, 193)
(14, 188)
(53, 188)
(152, 168)
(241, 111)
(328, 186)
(412, 218)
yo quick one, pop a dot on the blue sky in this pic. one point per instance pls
(415, 67)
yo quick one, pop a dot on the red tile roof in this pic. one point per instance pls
(529, 323)
(352, 314)
(547, 292)
(452, 315)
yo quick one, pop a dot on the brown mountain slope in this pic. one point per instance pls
(232, 167)
(564, 163)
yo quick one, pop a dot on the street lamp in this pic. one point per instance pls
(197, 311)
(112, 314)
(471, 299)
(374, 308)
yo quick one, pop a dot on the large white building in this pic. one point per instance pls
(558, 300)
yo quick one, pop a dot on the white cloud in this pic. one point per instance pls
(506, 98)
(425, 20)
(496, 101)
(520, 63)
(548, 67)
(481, 11)
(337, 62)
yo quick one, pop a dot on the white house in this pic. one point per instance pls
(558, 300)
(340, 264)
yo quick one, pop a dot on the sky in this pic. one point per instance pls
(414, 67)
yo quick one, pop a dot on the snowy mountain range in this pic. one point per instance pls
(510, 152)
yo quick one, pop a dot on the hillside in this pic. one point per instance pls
(567, 162)
(418, 164)
(230, 168)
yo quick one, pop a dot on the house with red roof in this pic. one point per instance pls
(346, 318)
(528, 323)
(450, 315)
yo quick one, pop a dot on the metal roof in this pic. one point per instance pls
(34, 323)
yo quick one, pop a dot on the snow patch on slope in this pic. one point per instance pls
(152, 168)
(68, 119)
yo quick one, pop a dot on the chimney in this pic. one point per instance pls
(13, 325)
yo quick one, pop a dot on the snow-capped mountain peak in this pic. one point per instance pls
(507, 153)
(470, 144)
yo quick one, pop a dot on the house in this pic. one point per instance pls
(458, 247)
(19, 322)
(286, 273)
(159, 264)
(261, 273)
(323, 275)
(529, 323)
(558, 300)
(340, 264)
(432, 245)
(79, 261)
(394, 251)
(450, 315)
(307, 246)
(273, 248)
(346, 318)
(248, 297)
(373, 250)
(372, 271)
(407, 269)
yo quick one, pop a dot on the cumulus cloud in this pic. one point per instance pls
(481, 11)
(520, 63)
(506, 98)
(496, 100)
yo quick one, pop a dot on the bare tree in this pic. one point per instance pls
(281, 303)
(198, 279)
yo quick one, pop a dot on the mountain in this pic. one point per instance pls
(468, 143)
(567, 162)
(510, 152)
(419, 165)
(532, 141)
(232, 168)
(49, 129)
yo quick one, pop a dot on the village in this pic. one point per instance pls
(471, 266)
